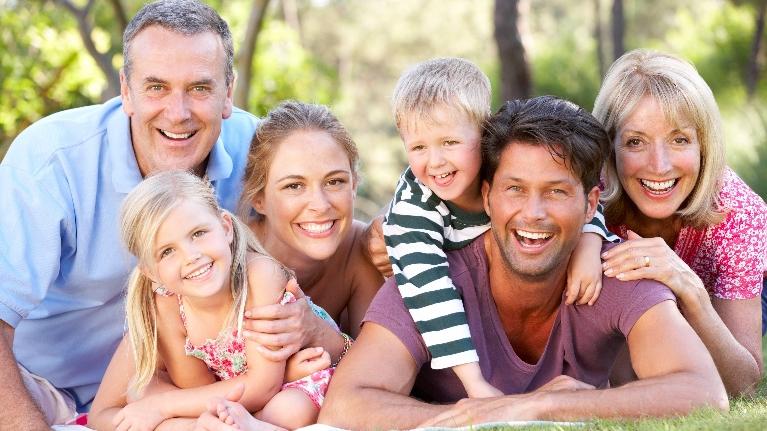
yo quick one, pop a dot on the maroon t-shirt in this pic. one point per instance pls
(583, 344)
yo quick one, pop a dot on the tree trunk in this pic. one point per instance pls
(752, 71)
(104, 61)
(618, 27)
(598, 39)
(247, 51)
(516, 82)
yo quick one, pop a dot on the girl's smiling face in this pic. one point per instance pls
(657, 162)
(308, 199)
(191, 254)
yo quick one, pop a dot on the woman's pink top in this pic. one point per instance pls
(729, 257)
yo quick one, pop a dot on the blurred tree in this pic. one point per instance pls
(516, 80)
(618, 26)
(88, 34)
(247, 52)
(756, 59)
(599, 38)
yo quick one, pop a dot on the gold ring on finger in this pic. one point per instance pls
(646, 261)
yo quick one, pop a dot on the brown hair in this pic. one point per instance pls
(286, 118)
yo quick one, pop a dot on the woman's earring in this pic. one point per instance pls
(162, 291)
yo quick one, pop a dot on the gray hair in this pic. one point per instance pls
(188, 17)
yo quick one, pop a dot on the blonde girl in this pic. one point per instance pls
(198, 268)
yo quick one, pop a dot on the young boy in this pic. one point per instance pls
(439, 107)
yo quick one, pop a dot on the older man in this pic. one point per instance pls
(541, 168)
(62, 269)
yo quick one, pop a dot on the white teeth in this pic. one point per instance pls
(200, 271)
(658, 185)
(442, 176)
(316, 227)
(533, 235)
(176, 135)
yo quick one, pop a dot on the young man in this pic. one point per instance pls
(541, 164)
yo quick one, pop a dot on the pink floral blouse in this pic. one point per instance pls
(730, 256)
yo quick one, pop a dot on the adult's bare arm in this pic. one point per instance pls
(24, 414)
(730, 329)
(676, 375)
(367, 392)
(281, 330)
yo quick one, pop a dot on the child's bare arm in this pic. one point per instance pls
(584, 271)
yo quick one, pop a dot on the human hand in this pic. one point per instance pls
(653, 259)
(141, 415)
(564, 383)
(376, 247)
(584, 272)
(473, 411)
(280, 330)
(305, 362)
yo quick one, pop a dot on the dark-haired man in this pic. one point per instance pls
(542, 159)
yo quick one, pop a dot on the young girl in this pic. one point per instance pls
(198, 268)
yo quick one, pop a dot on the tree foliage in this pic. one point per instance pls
(349, 54)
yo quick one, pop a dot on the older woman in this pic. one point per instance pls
(691, 223)
(298, 195)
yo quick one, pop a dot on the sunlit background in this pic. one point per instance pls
(59, 54)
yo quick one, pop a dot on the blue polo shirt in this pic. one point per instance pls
(63, 269)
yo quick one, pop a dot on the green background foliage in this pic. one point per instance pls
(349, 53)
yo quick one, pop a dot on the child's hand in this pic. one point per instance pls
(376, 247)
(144, 414)
(306, 362)
(584, 272)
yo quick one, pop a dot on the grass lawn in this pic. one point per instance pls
(745, 414)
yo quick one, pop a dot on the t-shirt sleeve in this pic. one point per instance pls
(644, 295)
(388, 310)
(598, 226)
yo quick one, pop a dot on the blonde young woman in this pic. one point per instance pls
(198, 269)
(691, 223)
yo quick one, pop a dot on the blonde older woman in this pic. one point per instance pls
(691, 223)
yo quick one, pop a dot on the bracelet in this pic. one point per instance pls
(347, 345)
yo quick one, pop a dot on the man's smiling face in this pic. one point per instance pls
(537, 209)
(176, 97)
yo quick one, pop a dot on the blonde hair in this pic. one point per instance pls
(682, 93)
(288, 117)
(451, 81)
(142, 213)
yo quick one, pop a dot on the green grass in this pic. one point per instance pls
(746, 414)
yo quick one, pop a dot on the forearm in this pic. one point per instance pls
(738, 368)
(669, 395)
(327, 337)
(24, 414)
(375, 409)
(192, 402)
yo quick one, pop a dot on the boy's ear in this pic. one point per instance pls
(228, 224)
